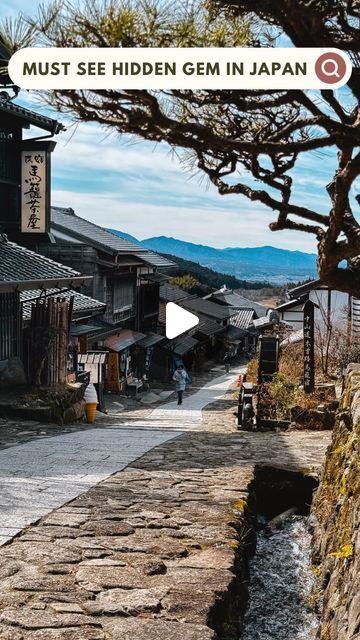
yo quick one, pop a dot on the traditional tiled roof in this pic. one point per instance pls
(87, 232)
(172, 293)
(306, 288)
(18, 264)
(182, 345)
(234, 299)
(77, 330)
(208, 308)
(208, 327)
(233, 334)
(156, 277)
(30, 117)
(297, 302)
(243, 318)
(82, 304)
(150, 340)
(123, 339)
(154, 259)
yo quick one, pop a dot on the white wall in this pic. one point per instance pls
(293, 316)
(337, 303)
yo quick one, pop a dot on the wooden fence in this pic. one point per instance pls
(10, 325)
(49, 341)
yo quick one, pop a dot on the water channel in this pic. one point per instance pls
(280, 585)
(281, 580)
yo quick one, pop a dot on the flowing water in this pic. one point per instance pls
(280, 584)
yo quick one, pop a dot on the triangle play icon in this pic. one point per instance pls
(178, 320)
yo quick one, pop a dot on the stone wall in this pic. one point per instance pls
(337, 515)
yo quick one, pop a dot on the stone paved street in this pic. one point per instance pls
(39, 476)
(44, 473)
(151, 552)
(189, 416)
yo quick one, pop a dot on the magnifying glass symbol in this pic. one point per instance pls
(334, 68)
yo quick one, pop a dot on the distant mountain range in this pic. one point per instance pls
(249, 263)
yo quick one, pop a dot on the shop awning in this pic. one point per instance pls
(262, 323)
(150, 340)
(182, 345)
(233, 334)
(208, 327)
(78, 330)
(154, 277)
(123, 340)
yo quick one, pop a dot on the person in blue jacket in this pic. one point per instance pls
(180, 378)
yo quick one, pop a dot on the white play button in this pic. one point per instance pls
(178, 320)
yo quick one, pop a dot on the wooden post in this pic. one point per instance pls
(309, 340)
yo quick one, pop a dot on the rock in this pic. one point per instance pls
(11, 634)
(126, 602)
(177, 606)
(103, 528)
(42, 583)
(8, 569)
(28, 619)
(84, 633)
(66, 607)
(140, 629)
(279, 520)
(213, 558)
(99, 578)
(12, 373)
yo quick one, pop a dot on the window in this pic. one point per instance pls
(123, 295)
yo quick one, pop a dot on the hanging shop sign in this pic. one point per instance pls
(148, 358)
(35, 186)
(33, 192)
(309, 364)
(112, 380)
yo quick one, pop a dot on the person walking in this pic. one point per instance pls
(179, 378)
(227, 362)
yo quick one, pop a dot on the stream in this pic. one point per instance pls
(280, 583)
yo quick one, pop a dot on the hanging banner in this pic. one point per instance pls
(309, 340)
(33, 191)
(112, 381)
(148, 358)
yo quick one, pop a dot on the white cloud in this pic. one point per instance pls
(217, 226)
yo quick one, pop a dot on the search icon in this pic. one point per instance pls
(330, 67)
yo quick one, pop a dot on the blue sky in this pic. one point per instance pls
(141, 189)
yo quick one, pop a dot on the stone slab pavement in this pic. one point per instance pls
(154, 552)
(189, 415)
(41, 475)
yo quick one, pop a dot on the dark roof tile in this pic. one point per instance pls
(31, 117)
(82, 304)
(243, 318)
(19, 264)
(65, 220)
(208, 308)
(172, 293)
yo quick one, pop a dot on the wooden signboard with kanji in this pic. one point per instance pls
(112, 380)
(309, 340)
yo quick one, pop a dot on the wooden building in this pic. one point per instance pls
(125, 276)
(332, 308)
(22, 270)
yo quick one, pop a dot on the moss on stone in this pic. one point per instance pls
(336, 504)
(346, 551)
(240, 505)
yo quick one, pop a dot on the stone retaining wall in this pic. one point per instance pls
(337, 511)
